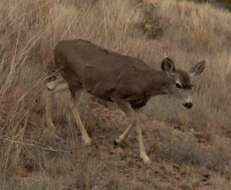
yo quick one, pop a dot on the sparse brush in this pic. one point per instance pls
(29, 30)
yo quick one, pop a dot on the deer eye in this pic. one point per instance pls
(178, 85)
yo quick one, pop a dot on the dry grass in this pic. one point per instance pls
(31, 158)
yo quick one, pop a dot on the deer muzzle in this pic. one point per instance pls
(188, 102)
(188, 105)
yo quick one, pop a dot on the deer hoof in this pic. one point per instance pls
(87, 142)
(116, 142)
(145, 159)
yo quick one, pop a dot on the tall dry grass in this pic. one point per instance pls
(29, 30)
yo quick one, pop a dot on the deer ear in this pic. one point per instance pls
(198, 68)
(168, 65)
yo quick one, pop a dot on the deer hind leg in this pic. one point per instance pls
(53, 84)
(133, 116)
(48, 110)
(52, 88)
(57, 85)
(74, 108)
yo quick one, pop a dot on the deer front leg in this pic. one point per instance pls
(126, 108)
(143, 153)
(133, 116)
(75, 111)
(124, 135)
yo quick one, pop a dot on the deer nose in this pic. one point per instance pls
(188, 105)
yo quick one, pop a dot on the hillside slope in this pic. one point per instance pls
(189, 149)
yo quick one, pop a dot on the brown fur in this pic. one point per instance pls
(108, 75)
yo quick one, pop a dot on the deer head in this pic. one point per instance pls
(181, 85)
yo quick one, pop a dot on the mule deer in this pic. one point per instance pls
(125, 80)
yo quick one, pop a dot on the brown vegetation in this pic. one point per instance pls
(190, 149)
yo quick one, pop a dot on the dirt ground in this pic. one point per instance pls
(189, 149)
(60, 160)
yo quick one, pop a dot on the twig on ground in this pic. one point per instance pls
(42, 147)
